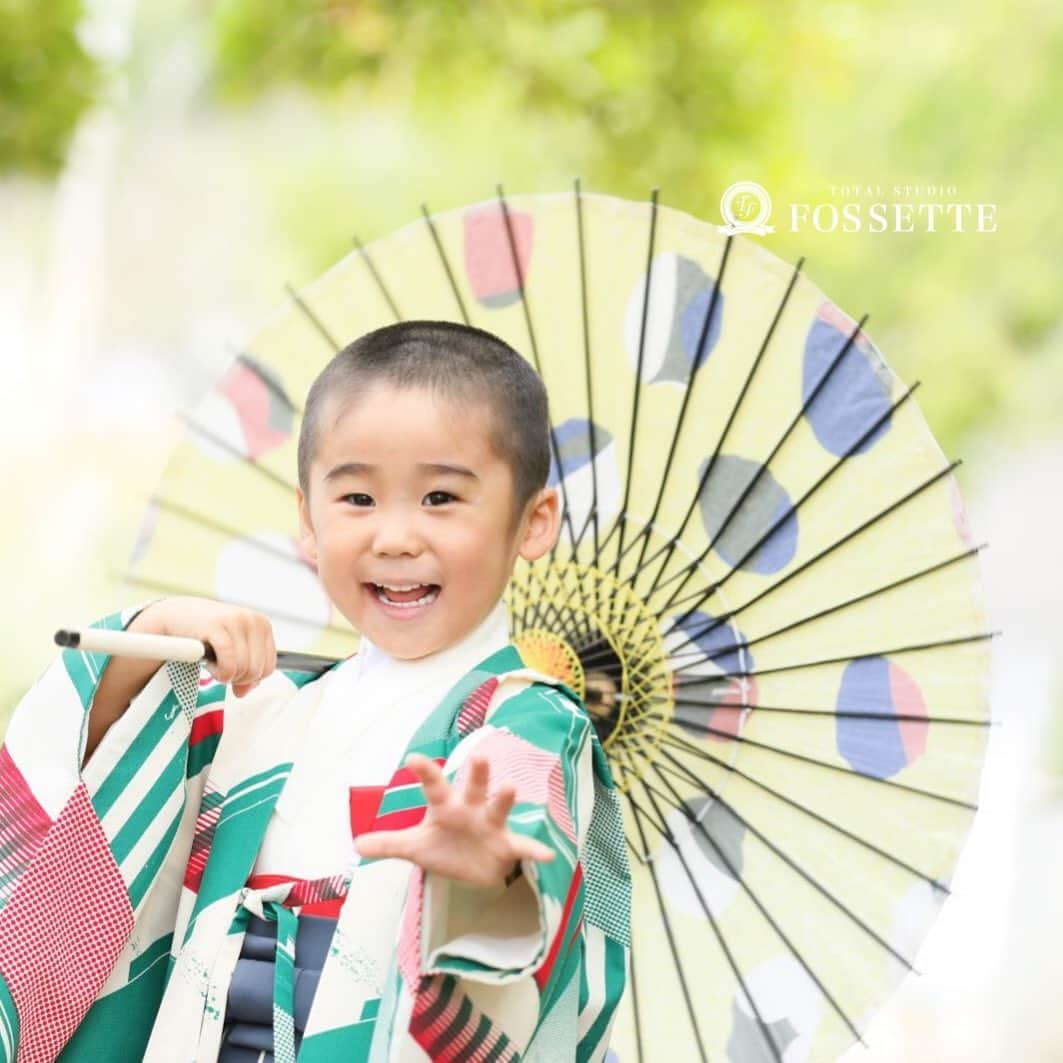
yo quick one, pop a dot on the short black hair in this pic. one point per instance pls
(457, 362)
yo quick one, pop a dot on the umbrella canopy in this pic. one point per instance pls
(764, 588)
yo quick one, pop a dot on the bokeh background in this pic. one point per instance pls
(168, 166)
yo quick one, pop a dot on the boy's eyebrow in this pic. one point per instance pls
(354, 468)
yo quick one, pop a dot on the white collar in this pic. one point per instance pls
(489, 636)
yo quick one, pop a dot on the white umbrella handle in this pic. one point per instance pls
(169, 648)
(134, 644)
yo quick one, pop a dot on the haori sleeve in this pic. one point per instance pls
(540, 741)
(81, 848)
(513, 962)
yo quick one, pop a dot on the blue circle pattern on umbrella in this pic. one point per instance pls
(766, 503)
(857, 392)
(670, 354)
(574, 446)
(878, 685)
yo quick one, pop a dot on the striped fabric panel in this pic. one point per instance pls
(409, 944)
(23, 824)
(318, 896)
(206, 823)
(571, 917)
(603, 979)
(403, 803)
(438, 729)
(84, 669)
(244, 815)
(537, 774)
(451, 1029)
(207, 726)
(125, 783)
(474, 710)
(140, 801)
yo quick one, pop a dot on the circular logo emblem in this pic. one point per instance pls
(746, 207)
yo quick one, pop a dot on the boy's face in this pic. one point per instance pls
(378, 511)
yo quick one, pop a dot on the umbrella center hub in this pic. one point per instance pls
(582, 626)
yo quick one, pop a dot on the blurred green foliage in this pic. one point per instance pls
(657, 92)
(47, 81)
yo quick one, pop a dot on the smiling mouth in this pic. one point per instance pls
(405, 595)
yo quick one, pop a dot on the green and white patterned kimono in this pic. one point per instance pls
(123, 896)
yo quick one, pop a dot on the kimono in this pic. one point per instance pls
(124, 895)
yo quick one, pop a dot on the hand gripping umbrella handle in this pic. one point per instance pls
(170, 648)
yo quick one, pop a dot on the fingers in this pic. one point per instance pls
(243, 646)
(474, 791)
(529, 849)
(431, 777)
(499, 806)
(383, 843)
(476, 783)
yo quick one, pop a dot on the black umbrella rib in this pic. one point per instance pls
(525, 304)
(703, 595)
(765, 536)
(703, 754)
(312, 318)
(445, 261)
(678, 805)
(226, 530)
(592, 429)
(688, 392)
(134, 579)
(572, 625)
(249, 358)
(669, 547)
(687, 572)
(377, 279)
(669, 933)
(719, 651)
(848, 714)
(917, 647)
(535, 607)
(785, 516)
(637, 385)
(225, 445)
(592, 515)
(697, 655)
(851, 772)
(661, 825)
(761, 471)
(674, 801)
(633, 986)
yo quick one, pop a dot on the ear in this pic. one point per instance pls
(542, 522)
(307, 539)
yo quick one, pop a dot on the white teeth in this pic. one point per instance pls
(426, 600)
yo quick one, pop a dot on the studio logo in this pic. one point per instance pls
(856, 208)
(746, 207)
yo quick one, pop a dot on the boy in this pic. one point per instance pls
(192, 892)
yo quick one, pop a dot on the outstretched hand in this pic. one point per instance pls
(463, 834)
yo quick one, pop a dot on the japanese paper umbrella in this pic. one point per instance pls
(764, 588)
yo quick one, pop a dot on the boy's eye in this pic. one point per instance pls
(358, 499)
(445, 495)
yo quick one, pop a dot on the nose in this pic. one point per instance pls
(395, 534)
